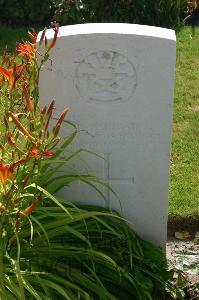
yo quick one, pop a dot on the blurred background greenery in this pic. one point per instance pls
(167, 13)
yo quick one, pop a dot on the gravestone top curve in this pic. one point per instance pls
(113, 28)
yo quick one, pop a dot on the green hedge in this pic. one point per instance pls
(24, 12)
(164, 13)
(167, 13)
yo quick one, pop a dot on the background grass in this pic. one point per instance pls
(184, 187)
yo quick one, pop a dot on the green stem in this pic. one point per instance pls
(2, 287)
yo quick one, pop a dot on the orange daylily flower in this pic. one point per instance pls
(8, 75)
(47, 153)
(7, 171)
(15, 165)
(34, 152)
(42, 36)
(12, 74)
(30, 208)
(33, 37)
(56, 30)
(60, 121)
(20, 126)
(26, 49)
(27, 99)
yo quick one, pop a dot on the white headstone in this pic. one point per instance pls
(117, 80)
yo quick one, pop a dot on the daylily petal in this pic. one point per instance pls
(56, 30)
(33, 36)
(34, 152)
(47, 153)
(30, 208)
(6, 73)
(26, 49)
(2, 178)
(5, 172)
(18, 163)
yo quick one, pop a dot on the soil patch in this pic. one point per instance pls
(182, 224)
(183, 254)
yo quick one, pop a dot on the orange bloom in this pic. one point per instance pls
(8, 75)
(12, 74)
(15, 165)
(56, 30)
(30, 208)
(7, 171)
(27, 99)
(59, 122)
(34, 152)
(21, 127)
(26, 49)
(47, 153)
(42, 36)
(33, 37)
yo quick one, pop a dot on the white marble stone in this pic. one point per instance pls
(118, 81)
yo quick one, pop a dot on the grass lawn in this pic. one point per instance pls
(184, 187)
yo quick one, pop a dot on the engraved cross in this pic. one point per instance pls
(110, 180)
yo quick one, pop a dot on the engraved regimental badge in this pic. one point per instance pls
(105, 76)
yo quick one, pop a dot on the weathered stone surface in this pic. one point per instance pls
(118, 81)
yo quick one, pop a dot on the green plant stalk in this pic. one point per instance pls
(2, 287)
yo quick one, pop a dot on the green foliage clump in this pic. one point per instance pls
(88, 253)
(150, 12)
(168, 13)
(24, 12)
